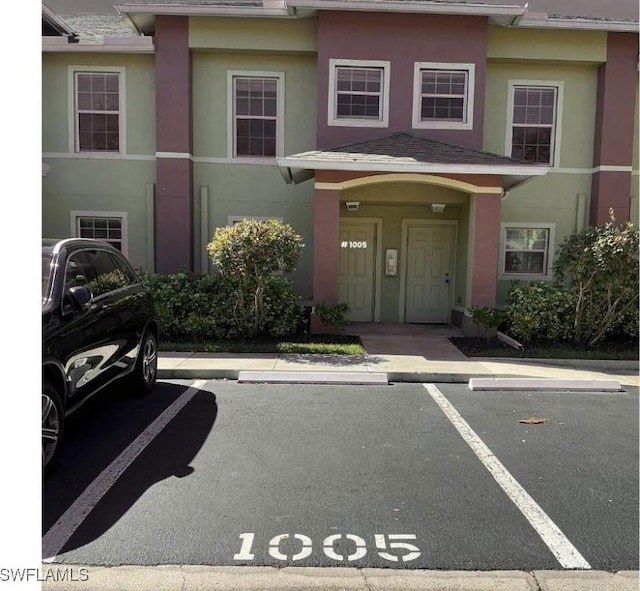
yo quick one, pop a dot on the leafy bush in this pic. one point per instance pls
(538, 311)
(336, 315)
(487, 318)
(201, 307)
(596, 297)
(250, 254)
(600, 265)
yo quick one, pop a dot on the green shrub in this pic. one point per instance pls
(538, 311)
(486, 318)
(335, 315)
(202, 307)
(600, 266)
(250, 254)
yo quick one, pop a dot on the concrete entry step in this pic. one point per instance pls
(315, 377)
(480, 384)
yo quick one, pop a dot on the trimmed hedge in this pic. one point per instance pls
(204, 307)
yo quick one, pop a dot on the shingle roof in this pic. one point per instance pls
(406, 148)
(93, 28)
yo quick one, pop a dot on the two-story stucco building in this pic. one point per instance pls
(428, 152)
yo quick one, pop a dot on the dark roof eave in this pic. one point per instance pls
(512, 175)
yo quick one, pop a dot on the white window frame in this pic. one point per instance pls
(556, 134)
(234, 219)
(332, 103)
(75, 230)
(74, 143)
(467, 123)
(231, 120)
(551, 229)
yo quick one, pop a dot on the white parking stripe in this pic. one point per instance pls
(58, 535)
(566, 553)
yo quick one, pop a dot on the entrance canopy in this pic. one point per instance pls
(406, 153)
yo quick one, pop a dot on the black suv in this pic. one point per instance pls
(98, 325)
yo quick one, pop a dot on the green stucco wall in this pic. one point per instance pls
(236, 188)
(546, 45)
(253, 35)
(577, 121)
(562, 195)
(97, 183)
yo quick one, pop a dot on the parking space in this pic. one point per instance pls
(341, 475)
(580, 464)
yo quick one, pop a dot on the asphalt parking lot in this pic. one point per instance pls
(221, 473)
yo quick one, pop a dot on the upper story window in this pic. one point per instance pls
(443, 95)
(257, 118)
(358, 93)
(97, 111)
(533, 128)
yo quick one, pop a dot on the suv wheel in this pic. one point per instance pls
(52, 426)
(146, 370)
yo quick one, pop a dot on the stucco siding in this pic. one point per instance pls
(255, 191)
(552, 199)
(577, 117)
(402, 40)
(635, 204)
(99, 182)
(540, 45)
(254, 34)
(139, 110)
(100, 186)
(211, 109)
(234, 187)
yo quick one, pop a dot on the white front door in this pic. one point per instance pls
(356, 275)
(428, 278)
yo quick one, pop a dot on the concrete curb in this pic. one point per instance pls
(249, 578)
(608, 364)
(361, 378)
(520, 384)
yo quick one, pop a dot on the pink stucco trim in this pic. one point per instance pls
(610, 189)
(174, 216)
(326, 225)
(486, 224)
(173, 85)
(403, 40)
(613, 145)
(174, 176)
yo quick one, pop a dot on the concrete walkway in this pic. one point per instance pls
(246, 578)
(406, 353)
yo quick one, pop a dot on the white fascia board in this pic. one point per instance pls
(416, 167)
(57, 20)
(405, 6)
(115, 45)
(200, 10)
(580, 25)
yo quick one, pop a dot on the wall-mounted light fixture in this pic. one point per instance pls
(352, 205)
(437, 207)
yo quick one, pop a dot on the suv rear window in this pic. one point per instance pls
(98, 270)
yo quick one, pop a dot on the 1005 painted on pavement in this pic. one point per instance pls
(292, 547)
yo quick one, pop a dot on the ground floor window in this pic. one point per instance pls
(526, 250)
(110, 227)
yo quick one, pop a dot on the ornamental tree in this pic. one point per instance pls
(251, 252)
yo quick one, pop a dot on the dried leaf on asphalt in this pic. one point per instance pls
(533, 420)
